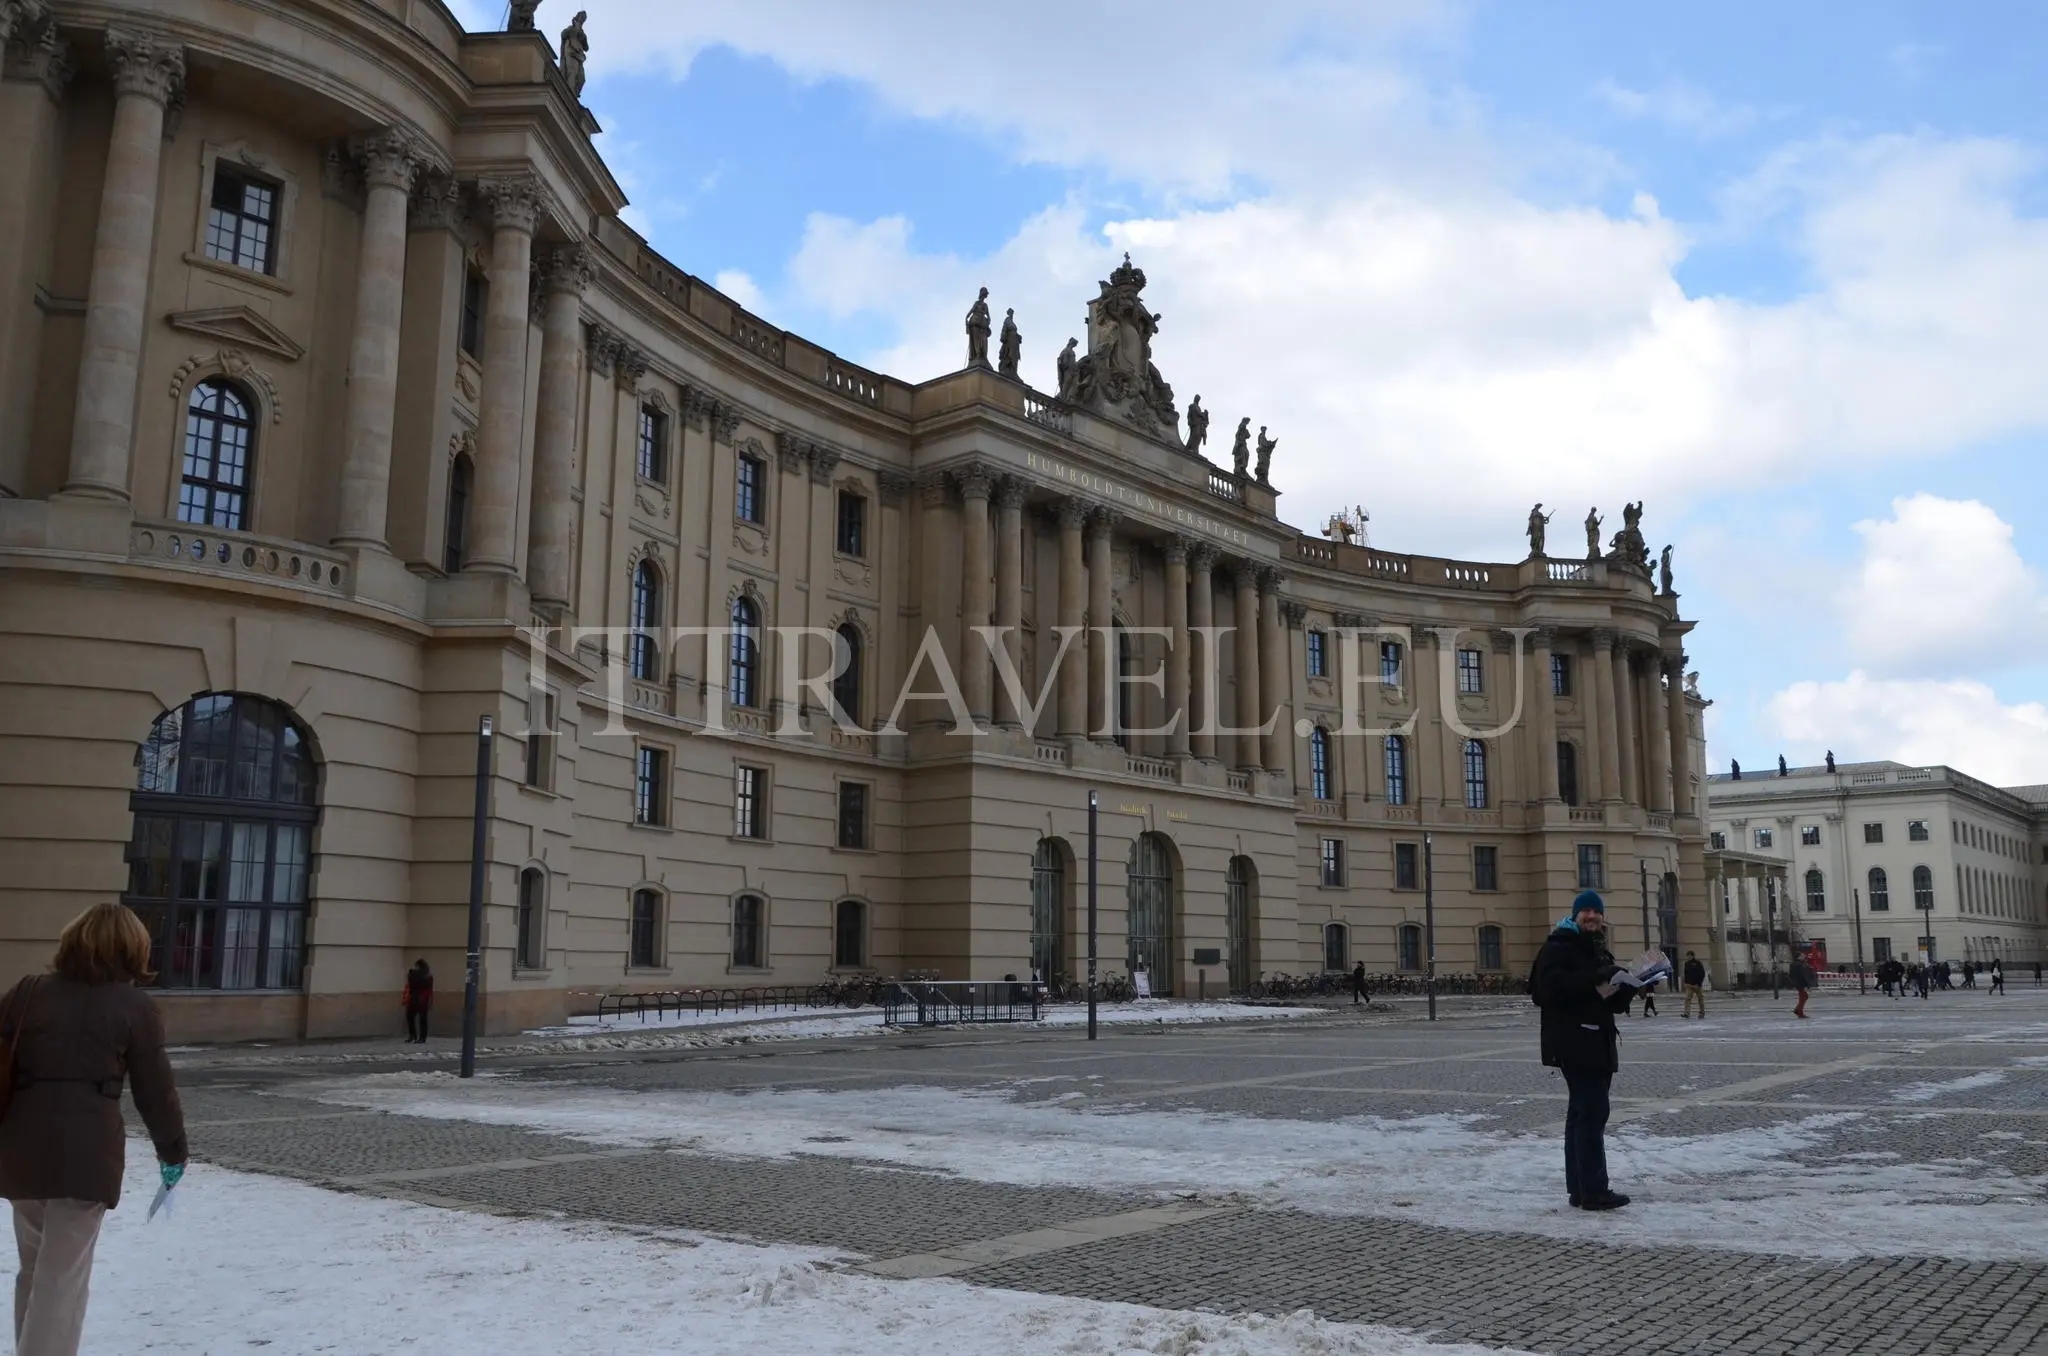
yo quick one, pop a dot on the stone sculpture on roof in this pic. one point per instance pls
(978, 328)
(1538, 520)
(1117, 375)
(1241, 449)
(1011, 348)
(575, 52)
(520, 19)
(1198, 427)
(1266, 446)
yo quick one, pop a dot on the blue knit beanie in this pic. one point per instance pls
(1589, 899)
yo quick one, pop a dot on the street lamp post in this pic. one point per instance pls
(474, 957)
(1429, 924)
(1856, 917)
(1643, 870)
(1091, 914)
(1771, 929)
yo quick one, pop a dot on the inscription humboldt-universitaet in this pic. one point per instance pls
(1131, 497)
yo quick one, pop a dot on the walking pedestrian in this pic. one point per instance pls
(1998, 977)
(1649, 1000)
(1572, 982)
(1695, 977)
(72, 1038)
(1969, 974)
(2037, 974)
(1802, 984)
(418, 999)
(1920, 979)
(1358, 984)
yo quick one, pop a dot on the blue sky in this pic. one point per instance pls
(1779, 270)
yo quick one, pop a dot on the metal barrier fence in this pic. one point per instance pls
(949, 1003)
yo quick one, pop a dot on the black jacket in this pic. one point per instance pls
(1578, 1024)
(1695, 972)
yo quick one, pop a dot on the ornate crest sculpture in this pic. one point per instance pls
(1116, 376)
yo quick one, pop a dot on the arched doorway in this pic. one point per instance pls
(1240, 909)
(1148, 895)
(226, 797)
(1049, 909)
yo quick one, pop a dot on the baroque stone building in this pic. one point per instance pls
(330, 378)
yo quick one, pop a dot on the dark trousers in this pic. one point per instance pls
(1585, 1131)
(416, 1024)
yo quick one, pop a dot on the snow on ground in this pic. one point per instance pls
(1746, 1190)
(1928, 1092)
(793, 1023)
(227, 1271)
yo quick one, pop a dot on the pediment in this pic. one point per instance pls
(240, 326)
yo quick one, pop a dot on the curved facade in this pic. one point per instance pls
(330, 380)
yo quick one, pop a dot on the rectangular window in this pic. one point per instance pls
(1471, 677)
(1880, 949)
(1390, 662)
(1560, 675)
(644, 942)
(1809, 835)
(748, 490)
(1717, 841)
(1333, 861)
(1763, 838)
(241, 220)
(540, 739)
(476, 294)
(1486, 870)
(1318, 655)
(1407, 866)
(749, 929)
(652, 463)
(853, 814)
(650, 787)
(853, 525)
(1592, 867)
(750, 802)
(1873, 833)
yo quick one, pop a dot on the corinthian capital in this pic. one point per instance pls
(389, 157)
(21, 17)
(976, 481)
(513, 201)
(567, 268)
(144, 65)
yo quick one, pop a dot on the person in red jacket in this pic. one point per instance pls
(419, 1001)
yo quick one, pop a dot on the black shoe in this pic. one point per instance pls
(1606, 1200)
(1575, 1202)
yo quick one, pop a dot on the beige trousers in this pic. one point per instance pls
(56, 1240)
(1692, 996)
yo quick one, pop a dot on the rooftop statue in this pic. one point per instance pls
(1538, 520)
(1198, 427)
(1593, 534)
(575, 51)
(1011, 348)
(978, 331)
(1117, 375)
(520, 19)
(1067, 374)
(1266, 446)
(1664, 571)
(1241, 449)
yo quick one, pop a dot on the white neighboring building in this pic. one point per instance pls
(1881, 859)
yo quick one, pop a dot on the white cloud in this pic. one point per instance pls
(1958, 722)
(1681, 106)
(740, 287)
(1941, 589)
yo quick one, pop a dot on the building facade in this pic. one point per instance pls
(1876, 861)
(339, 411)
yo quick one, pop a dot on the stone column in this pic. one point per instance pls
(1073, 676)
(1101, 638)
(564, 275)
(1276, 743)
(514, 205)
(1680, 736)
(1600, 718)
(1250, 753)
(147, 76)
(389, 160)
(1202, 671)
(1545, 761)
(1177, 708)
(1426, 749)
(1010, 586)
(1625, 750)
(976, 485)
(1658, 796)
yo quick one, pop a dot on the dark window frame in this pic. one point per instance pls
(1492, 947)
(455, 527)
(1560, 675)
(1471, 672)
(476, 303)
(850, 934)
(1395, 759)
(243, 232)
(650, 461)
(1408, 954)
(750, 802)
(643, 614)
(219, 462)
(750, 489)
(1317, 646)
(650, 786)
(1880, 883)
(855, 806)
(1391, 662)
(529, 924)
(1485, 867)
(643, 931)
(1331, 856)
(1591, 859)
(850, 525)
(847, 684)
(1476, 788)
(749, 932)
(1319, 763)
(1407, 866)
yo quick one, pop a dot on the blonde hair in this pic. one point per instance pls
(105, 944)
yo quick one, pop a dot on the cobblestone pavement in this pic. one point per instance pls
(1904, 1070)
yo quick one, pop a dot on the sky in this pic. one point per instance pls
(1778, 271)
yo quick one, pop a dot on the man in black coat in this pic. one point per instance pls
(1573, 983)
(1695, 977)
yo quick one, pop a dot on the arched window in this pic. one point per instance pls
(1397, 770)
(749, 933)
(1490, 948)
(846, 685)
(221, 853)
(745, 664)
(1923, 888)
(1240, 906)
(1816, 892)
(529, 949)
(1475, 775)
(1336, 947)
(1319, 762)
(643, 941)
(850, 934)
(1567, 772)
(220, 445)
(1880, 890)
(1148, 894)
(1409, 946)
(455, 538)
(1048, 905)
(644, 616)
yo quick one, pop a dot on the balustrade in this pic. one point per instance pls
(1158, 769)
(1225, 487)
(182, 546)
(1048, 414)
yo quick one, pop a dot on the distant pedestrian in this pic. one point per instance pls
(1969, 974)
(1997, 977)
(1802, 984)
(1572, 982)
(1649, 1000)
(1358, 984)
(1695, 977)
(2037, 974)
(418, 999)
(1920, 979)
(76, 1035)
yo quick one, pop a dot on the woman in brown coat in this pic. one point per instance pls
(77, 1033)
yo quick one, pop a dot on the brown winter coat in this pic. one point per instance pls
(63, 1138)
